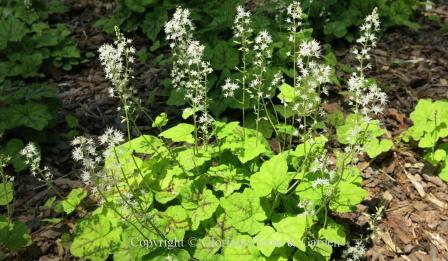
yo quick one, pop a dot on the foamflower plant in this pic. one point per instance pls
(206, 189)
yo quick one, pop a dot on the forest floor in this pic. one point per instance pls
(407, 201)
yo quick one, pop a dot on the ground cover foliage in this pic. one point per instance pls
(212, 180)
(29, 44)
(264, 185)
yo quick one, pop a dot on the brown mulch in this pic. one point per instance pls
(413, 225)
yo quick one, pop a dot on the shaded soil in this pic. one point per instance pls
(405, 216)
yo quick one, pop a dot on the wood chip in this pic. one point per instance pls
(437, 240)
(414, 180)
(385, 236)
(433, 199)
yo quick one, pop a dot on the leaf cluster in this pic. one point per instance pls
(430, 128)
(339, 18)
(28, 41)
(235, 198)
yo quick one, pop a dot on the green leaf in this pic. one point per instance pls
(336, 28)
(97, 237)
(176, 98)
(368, 130)
(367, 136)
(430, 122)
(254, 144)
(347, 197)
(138, 6)
(336, 119)
(444, 172)
(160, 121)
(189, 160)
(287, 93)
(132, 245)
(180, 133)
(50, 202)
(144, 144)
(210, 244)
(264, 126)
(13, 235)
(243, 249)
(291, 230)
(439, 155)
(306, 191)
(169, 254)
(12, 149)
(225, 56)
(273, 175)
(223, 129)
(187, 113)
(311, 147)
(267, 240)
(174, 222)
(37, 92)
(73, 199)
(286, 129)
(154, 22)
(333, 233)
(6, 193)
(13, 30)
(72, 121)
(200, 204)
(375, 147)
(31, 115)
(170, 191)
(319, 251)
(245, 211)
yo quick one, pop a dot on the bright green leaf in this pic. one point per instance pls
(180, 133)
(273, 175)
(160, 121)
(245, 211)
(6, 193)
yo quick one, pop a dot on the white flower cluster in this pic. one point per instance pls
(115, 60)
(111, 138)
(32, 159)
(242, 29)
(355, 252)
(324, 168)
(366, 97)
(229, 88)
(86, 152)
(308, 206)
(310, 48)
(262, 54)
(312, 75)
(178, 29)
(294, 16)
(189, 70)
(261, 47)
(276, 81)
(311, 81)
(295, 12)
(368, 39)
